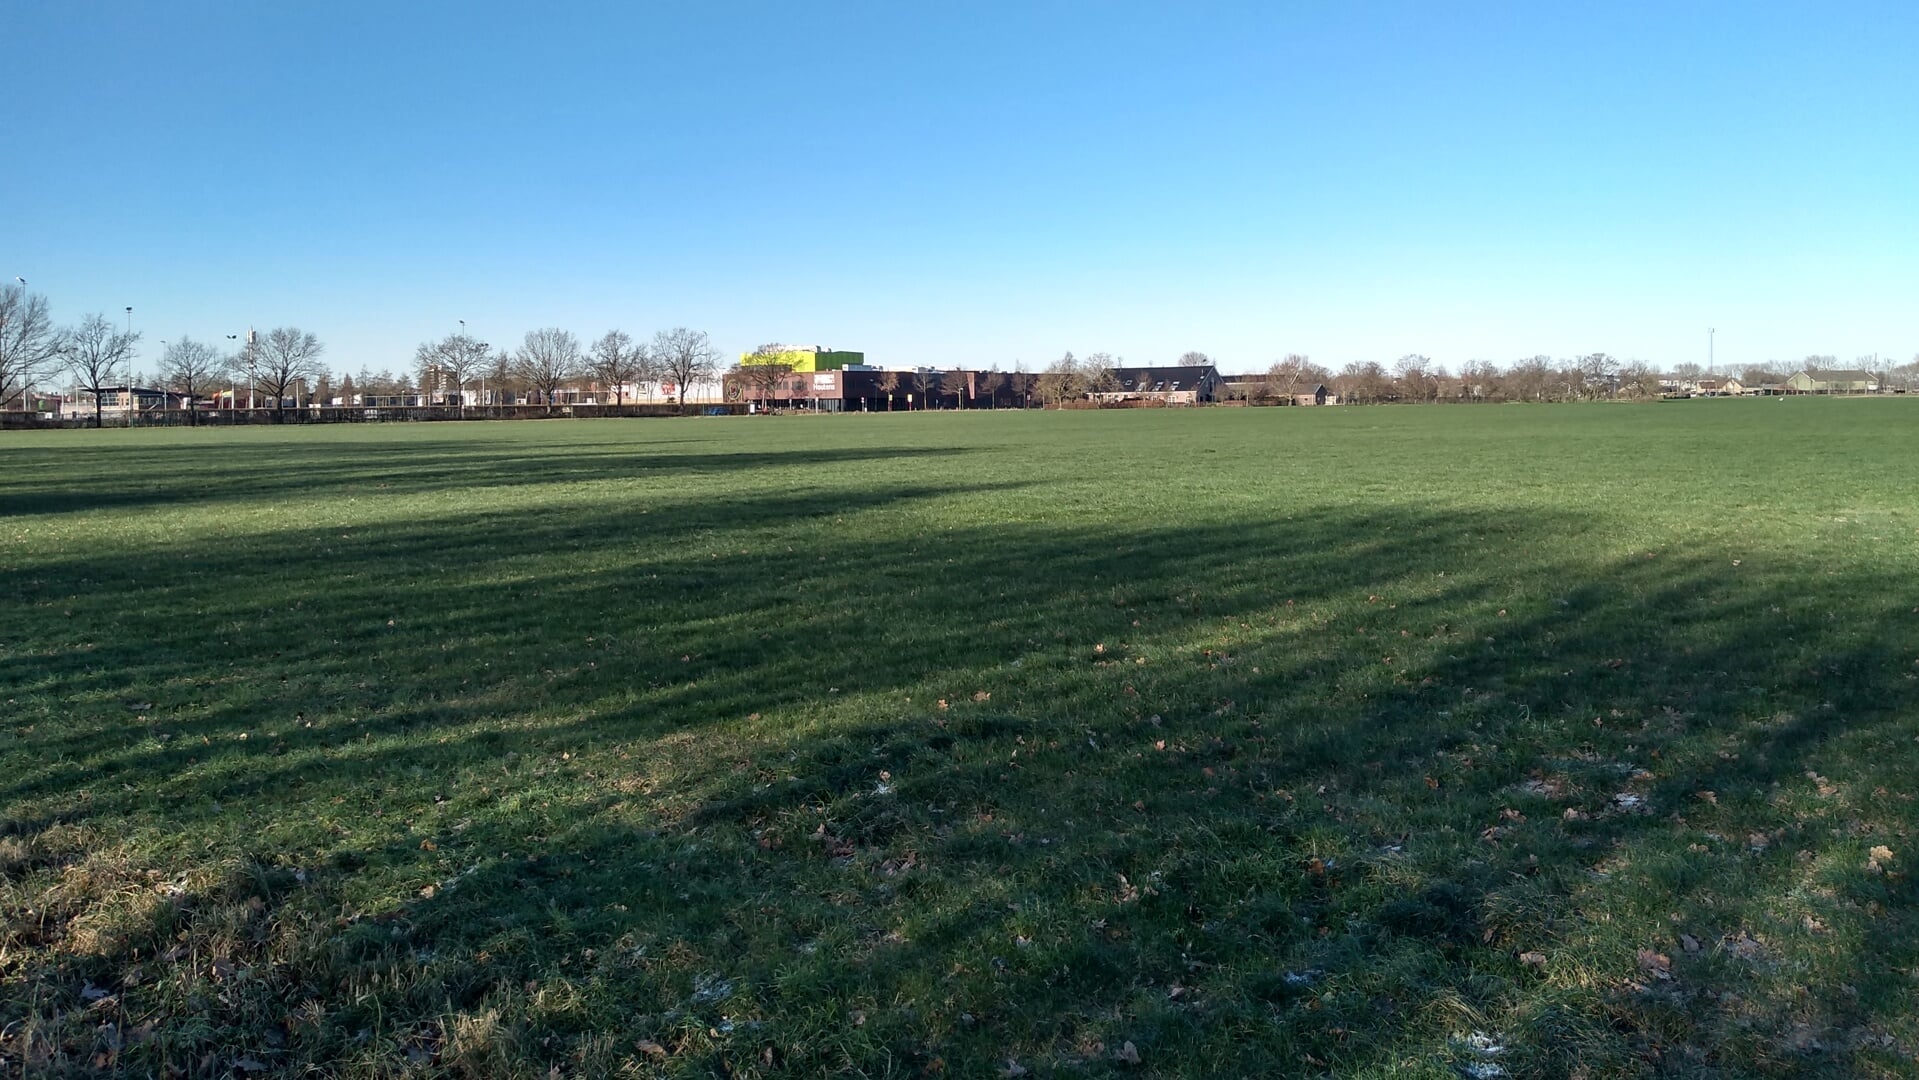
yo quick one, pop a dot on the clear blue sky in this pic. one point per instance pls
(978, 183)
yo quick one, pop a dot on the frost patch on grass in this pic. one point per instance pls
(1483, 1047)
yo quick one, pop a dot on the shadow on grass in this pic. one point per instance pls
(163, 475)
(728, 788)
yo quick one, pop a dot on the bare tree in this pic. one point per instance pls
(29, 344)
(283, 361)
(956, 382)
(1060, 381)
(1365, 383)
(1598, 372)
(1530, 379)
(889, 383)
(989, 385)
(188, 368)
(1638, 380)
(1097, 375)
(684, 357)
(455, 360)
(547, 359)
(1906, 375)
(1412, 375)
(503, 372)
(1479, 381)
(95, 352)
(1194, 358)
(764, 370)
(616, 361)
(1294, 375)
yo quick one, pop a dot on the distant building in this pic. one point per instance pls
(861, 388)
(807, 358)
(37, 401)
(1833, 381)
(1195, 385)
(118, 401)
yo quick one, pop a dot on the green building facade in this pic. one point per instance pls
(806, 358)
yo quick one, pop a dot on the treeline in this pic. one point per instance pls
(283, 368)
(1412, 378)
(1415, 378)
(552, 360)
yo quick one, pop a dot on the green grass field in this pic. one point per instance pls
(1356, 742)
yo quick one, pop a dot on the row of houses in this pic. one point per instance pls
(829, 381)
(855, 387)
(1805, 381)
(117, 403)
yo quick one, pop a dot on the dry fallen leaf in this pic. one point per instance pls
(1745, 946)
(1658, 965)
(650, 1048)
(1533, 959)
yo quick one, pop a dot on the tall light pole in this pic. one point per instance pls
(25, 390)
(1710, 331)
(131, 402)
(250, 377)
(233, 391)
(461, 389)
(160, 378)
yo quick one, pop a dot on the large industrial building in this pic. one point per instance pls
(805, 358)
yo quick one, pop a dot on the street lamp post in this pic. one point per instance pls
(1710, 331)
(159, 378)
(130, 401)
(479, 351)
(233, 390)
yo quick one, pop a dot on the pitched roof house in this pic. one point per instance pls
(1172, 385)
(1833, 381)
